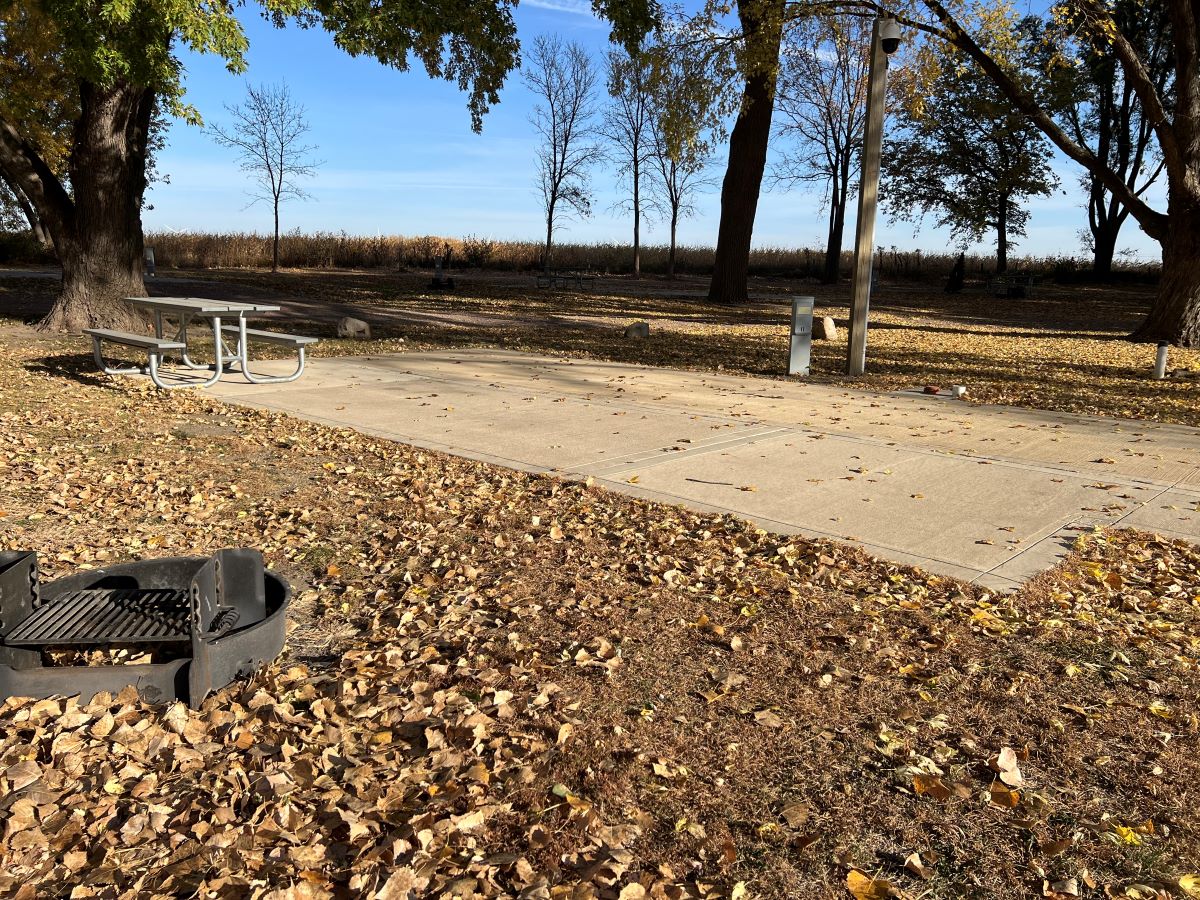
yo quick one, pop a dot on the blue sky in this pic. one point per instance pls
(400, 158)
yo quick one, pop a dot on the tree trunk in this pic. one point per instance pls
(275, 243)
(762, 25)
(1002, 237)
(98, 232)
(36, 228)
(549, 238)
(1104, 243)
(1175, 315)
(637, 221)
(837, 227)
(671, 253)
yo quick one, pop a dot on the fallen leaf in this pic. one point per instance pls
(864, 887)
(933, 786)
(1005, 764)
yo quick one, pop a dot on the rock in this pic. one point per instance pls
(638, 330)
(826, 329)
(353, 328)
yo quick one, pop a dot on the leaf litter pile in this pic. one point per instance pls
(499, 684)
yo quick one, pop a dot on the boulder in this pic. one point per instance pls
(353, 328)
(638, 330)
(826, 329)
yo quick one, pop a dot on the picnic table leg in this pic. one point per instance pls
(244, 359)
(218, 366)
(238, 353)
(181, 335)
(104, 367)
(152, 371)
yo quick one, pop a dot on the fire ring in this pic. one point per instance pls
(203, 621)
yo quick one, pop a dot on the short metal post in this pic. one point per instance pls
(1160, 361)
(800, 350)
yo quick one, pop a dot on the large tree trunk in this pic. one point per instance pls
(762, 26)
(549, 237)
(1002, 237)
(1104, 239)
(837, 227)
(1175, 315)
(1104, 244)
(98, 233)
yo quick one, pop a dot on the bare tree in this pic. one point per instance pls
(685, 123)
(822, 103)
(563, 78)
(626, 129)
(268, 133)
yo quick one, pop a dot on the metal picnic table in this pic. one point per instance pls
(185, 309)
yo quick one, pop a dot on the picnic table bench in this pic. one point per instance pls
(184, 309)
(1013, 285)
(565, 280)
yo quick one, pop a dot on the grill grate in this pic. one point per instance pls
(102, 616)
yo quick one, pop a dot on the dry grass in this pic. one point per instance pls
(333, 250)
(517, 686)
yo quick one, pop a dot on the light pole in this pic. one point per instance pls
(885, 39)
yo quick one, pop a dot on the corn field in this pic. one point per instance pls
(339, 250)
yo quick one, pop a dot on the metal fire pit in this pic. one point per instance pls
(210, 620)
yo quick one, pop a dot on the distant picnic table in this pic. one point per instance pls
(565, 280)
(1013, 285)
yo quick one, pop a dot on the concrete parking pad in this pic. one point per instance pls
(987, 494)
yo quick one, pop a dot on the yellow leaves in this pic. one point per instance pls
(865, 887)
(933, 786)
(1130, 835)
(1190, 885)
(1126, 835)
(704, 623)
(1160, 709)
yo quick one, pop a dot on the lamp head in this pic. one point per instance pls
(889, 35)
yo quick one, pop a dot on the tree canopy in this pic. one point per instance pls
(97, 71)
(962, 153)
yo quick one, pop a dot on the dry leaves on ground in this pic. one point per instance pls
(501, 684)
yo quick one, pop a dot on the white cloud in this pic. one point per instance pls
(571, 7)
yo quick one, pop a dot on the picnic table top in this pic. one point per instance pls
(200, 305)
